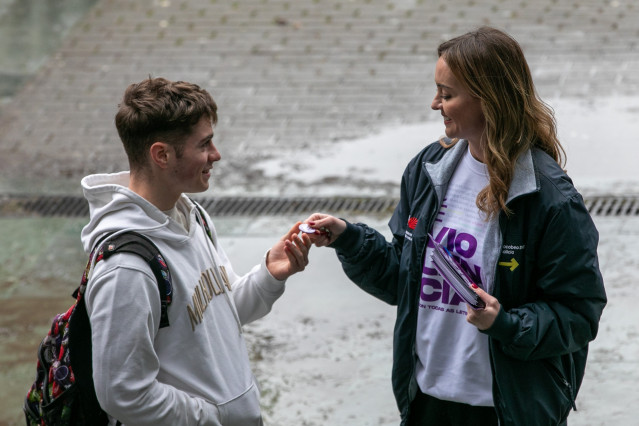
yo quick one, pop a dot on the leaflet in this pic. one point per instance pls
(455, 275)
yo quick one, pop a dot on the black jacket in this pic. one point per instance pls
(545, 274)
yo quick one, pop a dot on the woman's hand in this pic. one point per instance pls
(328, 228)
(484, 318)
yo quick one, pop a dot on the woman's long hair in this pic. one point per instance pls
(492, 66)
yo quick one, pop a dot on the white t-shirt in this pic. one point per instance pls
(178, 215)
(453, 359)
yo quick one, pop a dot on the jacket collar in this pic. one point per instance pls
(524, 177)
(441, 171)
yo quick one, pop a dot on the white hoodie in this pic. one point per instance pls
(196, 371)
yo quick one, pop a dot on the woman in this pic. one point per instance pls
(494, 193)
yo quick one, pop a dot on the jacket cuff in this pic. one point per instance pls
(350, 241)
(504, 328)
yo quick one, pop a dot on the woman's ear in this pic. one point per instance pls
(160, 153)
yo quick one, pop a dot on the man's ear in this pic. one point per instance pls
(160, 153)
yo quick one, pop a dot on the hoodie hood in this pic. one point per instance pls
(114, 207)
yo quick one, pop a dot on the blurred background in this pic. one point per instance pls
(321, 105)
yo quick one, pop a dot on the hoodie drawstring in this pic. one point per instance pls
(224, 289)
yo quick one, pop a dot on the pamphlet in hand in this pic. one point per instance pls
(454, 274)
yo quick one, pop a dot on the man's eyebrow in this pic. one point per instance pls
(208, 137)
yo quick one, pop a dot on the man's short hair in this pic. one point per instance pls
(157, 109)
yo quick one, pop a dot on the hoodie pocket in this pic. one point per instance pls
(244, 410)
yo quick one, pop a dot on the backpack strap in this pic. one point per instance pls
(136, 243)
(203, 222)
(133, 242)
(81, 352)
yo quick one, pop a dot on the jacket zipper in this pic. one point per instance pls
(420, 262)
(567, 387)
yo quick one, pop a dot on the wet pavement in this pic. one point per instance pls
(293, 79)
(288, 75)
(323, 355)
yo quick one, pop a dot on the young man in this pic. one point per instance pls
(196, 371)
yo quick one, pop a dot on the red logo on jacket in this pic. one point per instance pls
(412, 222)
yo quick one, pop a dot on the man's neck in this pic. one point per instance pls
(152, 190)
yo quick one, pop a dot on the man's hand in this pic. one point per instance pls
(484, 318)
(289, 255)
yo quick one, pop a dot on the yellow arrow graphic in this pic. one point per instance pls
(513, 264)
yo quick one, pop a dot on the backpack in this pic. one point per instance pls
(63, 392)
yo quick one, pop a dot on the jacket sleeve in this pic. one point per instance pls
(569, 289)
(125, 365)
(368, 259)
